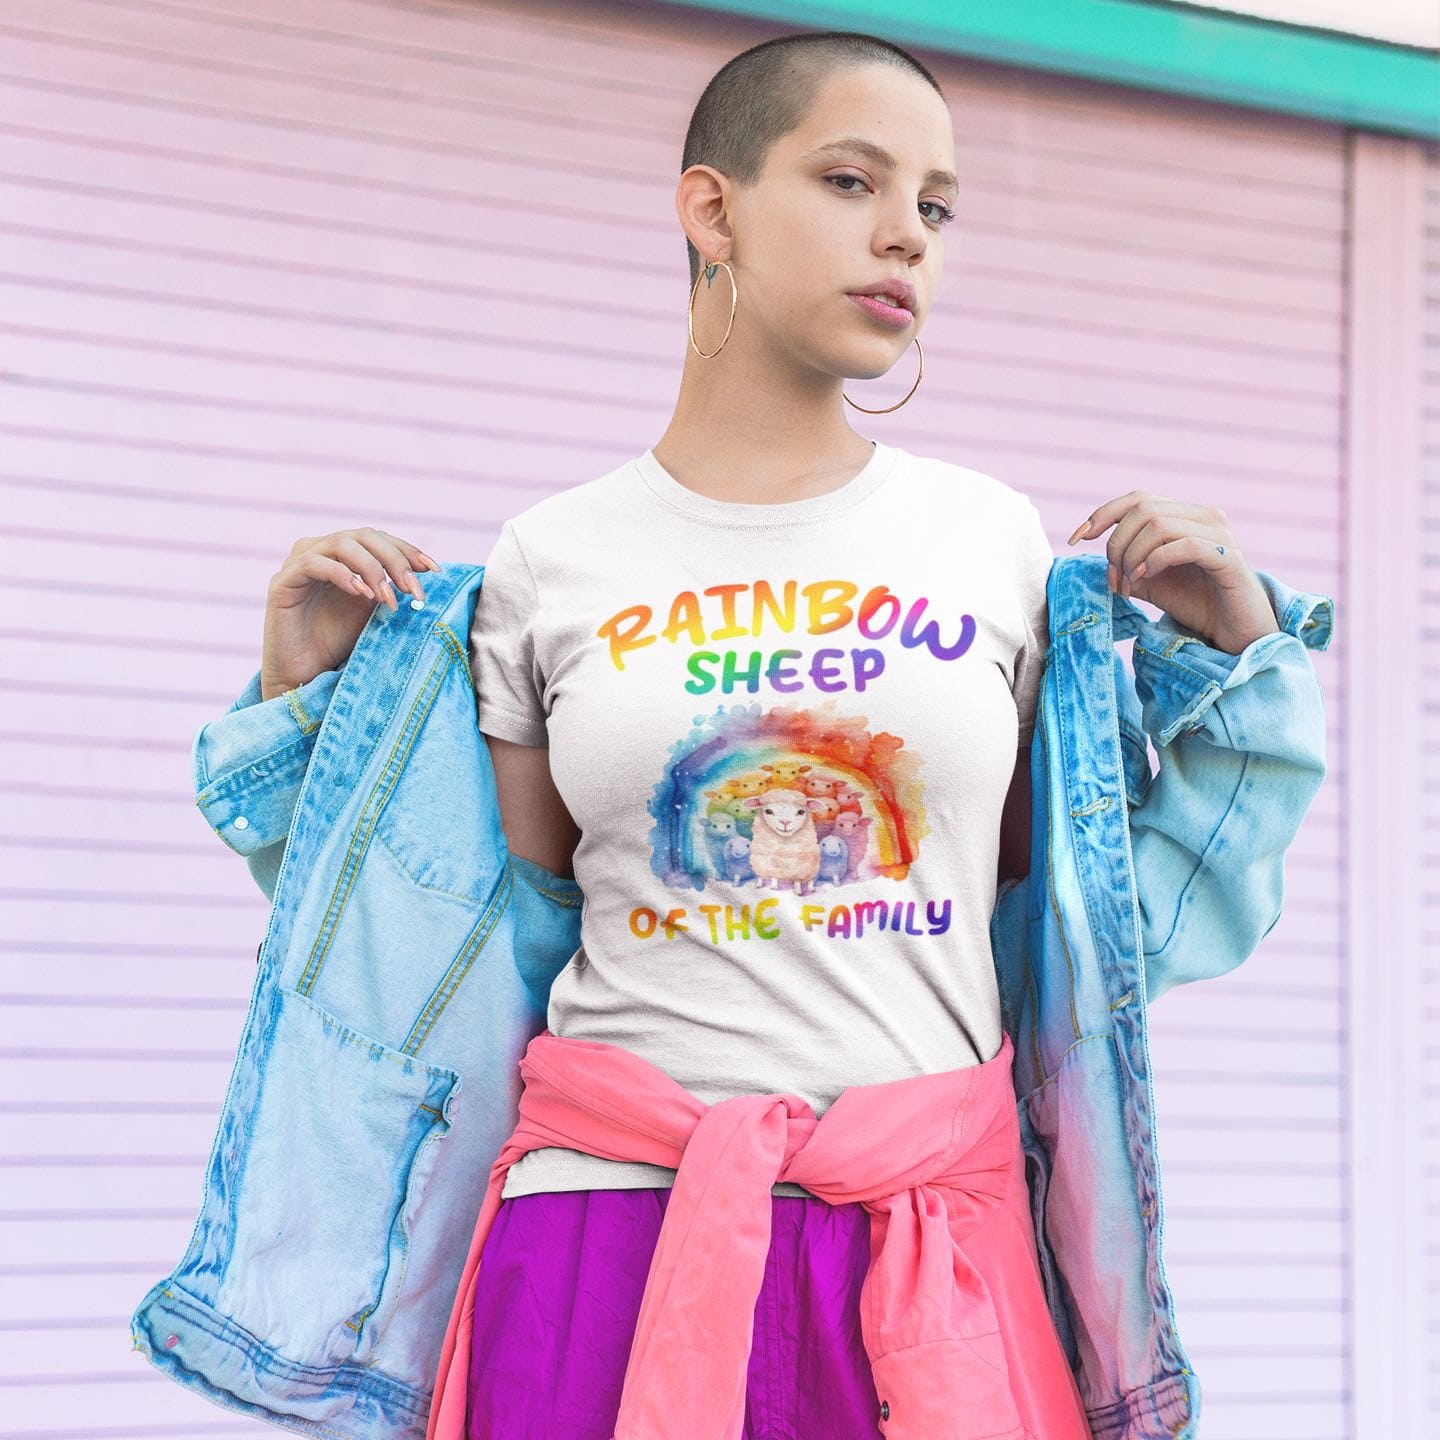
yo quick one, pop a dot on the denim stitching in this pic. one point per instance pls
(302, 718)
(388, 779)
(479, 937)
(574, 902)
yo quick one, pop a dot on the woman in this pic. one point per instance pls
(766, 691)
(617, 617)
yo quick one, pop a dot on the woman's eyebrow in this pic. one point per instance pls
(879, 156)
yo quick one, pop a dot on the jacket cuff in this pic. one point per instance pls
(249, 764)
(1179, 677)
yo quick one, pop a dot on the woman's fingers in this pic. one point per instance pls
(372, 555)
(364, 561)
(350, 554)
(395, 566)
(316, 565)
(399, 557)
(1142, 522)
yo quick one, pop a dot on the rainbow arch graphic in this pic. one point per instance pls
(723, 758)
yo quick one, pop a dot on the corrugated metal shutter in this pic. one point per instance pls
(259, 269)
(1429, 770)
(1151, 296)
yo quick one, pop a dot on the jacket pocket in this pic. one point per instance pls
(324, 1170)
(433, 805)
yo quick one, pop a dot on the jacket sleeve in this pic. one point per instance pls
(249, 766)
(1241, 744)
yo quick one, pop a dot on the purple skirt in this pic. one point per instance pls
(558, 1293)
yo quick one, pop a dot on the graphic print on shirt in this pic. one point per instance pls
(789, 797)
(786, 798)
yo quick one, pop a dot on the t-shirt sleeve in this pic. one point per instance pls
(1036, 558)
(508, 681)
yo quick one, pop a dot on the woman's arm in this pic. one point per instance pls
(537, 825)
(1015, 823)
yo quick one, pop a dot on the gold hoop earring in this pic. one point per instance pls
(910, 392)
(709, 273)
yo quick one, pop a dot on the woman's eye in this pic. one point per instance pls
(945, 216)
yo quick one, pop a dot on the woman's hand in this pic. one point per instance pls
(1184, 559)
(320, 599)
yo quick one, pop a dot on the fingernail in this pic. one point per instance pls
(433, 564)
(1138, 571)
(1110, 576)
(1082, 529)
(361, 588)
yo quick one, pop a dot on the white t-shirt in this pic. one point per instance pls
(786, 732)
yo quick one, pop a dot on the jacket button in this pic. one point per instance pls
(241, 823)
(171, 1341)
(884, 1409)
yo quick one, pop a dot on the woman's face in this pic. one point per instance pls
(828, 217)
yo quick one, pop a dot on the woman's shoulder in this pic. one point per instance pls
(588, 508)
(949, 481)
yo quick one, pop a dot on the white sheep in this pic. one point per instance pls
(783, 844)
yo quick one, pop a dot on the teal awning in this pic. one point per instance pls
(1188, 50)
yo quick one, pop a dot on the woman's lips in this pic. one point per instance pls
(894, 315)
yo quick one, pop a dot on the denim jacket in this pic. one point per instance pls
(407, 960)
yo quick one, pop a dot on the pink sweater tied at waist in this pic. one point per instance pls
(936, 1161)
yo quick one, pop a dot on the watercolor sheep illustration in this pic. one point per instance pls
(854, 830)
(724, 802)
(783, 843)
(737, 860)
(835, 866)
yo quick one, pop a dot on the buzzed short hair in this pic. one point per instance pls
(766, 91)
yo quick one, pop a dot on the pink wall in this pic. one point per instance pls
(257, 266)
(1423, 869)
(1418, 660)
